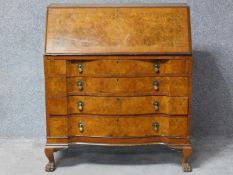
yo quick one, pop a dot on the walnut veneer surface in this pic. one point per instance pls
(118, 75)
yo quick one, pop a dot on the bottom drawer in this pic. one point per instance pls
(136, 126)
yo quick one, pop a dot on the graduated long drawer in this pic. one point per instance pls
(128, 126)
(129, 68)
(171, 86)
(127, 105)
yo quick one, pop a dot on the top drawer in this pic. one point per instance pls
(128, 68)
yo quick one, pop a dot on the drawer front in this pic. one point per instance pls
(128, 105)
(131, 68)
(128, 126)
(172, 86)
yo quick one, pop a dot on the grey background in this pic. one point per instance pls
(22, 107)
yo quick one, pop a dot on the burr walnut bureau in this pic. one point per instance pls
(118, 75)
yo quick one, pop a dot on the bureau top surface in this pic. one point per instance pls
(117, 29)
(61, 5)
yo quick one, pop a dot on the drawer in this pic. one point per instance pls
(127, 105)
(132, 68)
(172, 86)
(128, 126)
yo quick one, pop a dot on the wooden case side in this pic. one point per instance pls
(52, 70)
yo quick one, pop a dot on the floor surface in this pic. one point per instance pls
(211, 156)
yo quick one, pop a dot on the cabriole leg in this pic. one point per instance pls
(50, 166)
(187, 152)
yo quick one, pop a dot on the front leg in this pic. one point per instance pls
(50, 166)
(187, 152)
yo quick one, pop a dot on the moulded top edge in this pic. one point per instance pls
(120, 54)
(63, 5)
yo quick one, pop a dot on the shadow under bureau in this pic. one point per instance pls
(118, 75)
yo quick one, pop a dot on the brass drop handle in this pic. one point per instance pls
(80, 68)
(81, 126)
(80, 105)
(156, 67)
(156, 85)
(156, 105)
(155, 126)
(80, 85)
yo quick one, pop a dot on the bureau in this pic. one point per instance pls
(118, 75)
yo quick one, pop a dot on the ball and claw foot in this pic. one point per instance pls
(50, 167)
(186, 167)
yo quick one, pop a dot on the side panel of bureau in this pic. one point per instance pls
(56, 95)
(57, 126)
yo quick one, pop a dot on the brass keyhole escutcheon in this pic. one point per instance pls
(155, 126)
(81, 126)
